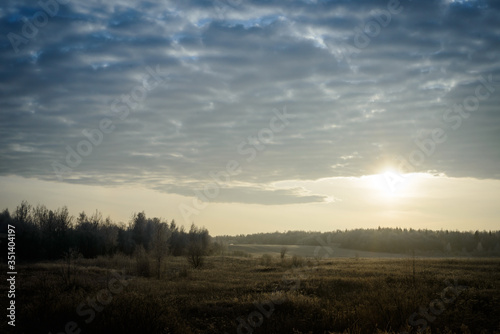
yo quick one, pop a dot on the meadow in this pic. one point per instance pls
(259, 292)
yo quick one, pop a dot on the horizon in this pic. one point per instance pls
(251, 117)
(133, 216)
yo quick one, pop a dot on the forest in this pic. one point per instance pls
(392, 240)
(44, 234)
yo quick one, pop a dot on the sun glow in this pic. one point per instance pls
(391, 184)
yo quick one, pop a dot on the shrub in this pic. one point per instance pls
(143, 267)
(67, 269)
(196, 255)
(266, 260)
(297, 261)
(283, 252)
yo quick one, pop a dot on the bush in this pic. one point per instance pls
(68, 268)
(143, 267)
(266, 260)
(297, 261)
(283, 252)
(196, 255)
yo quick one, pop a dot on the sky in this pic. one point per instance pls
(254, 116)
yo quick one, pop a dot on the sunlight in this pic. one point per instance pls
(391, 184)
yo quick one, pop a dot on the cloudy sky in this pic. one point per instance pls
(251, 115)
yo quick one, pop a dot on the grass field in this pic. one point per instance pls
(308, 251)
(260, 294)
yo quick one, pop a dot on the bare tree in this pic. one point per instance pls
(67, 270)
(196, 254)
(283, 252)
(198, 245)
(160, 241)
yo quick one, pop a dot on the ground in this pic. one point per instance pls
(260, 293)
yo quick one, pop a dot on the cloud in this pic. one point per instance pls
(244, 194)
(228, 65)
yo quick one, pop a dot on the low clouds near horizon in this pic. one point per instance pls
(227, 68)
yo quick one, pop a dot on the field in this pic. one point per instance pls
(308, 251)
(260, 293)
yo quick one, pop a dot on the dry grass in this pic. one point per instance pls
(330, 296)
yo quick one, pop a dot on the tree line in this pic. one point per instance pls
(392, 240)
(43, 234)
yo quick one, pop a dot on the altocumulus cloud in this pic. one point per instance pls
(229, 64)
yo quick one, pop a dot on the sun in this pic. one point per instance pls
(389, 183)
